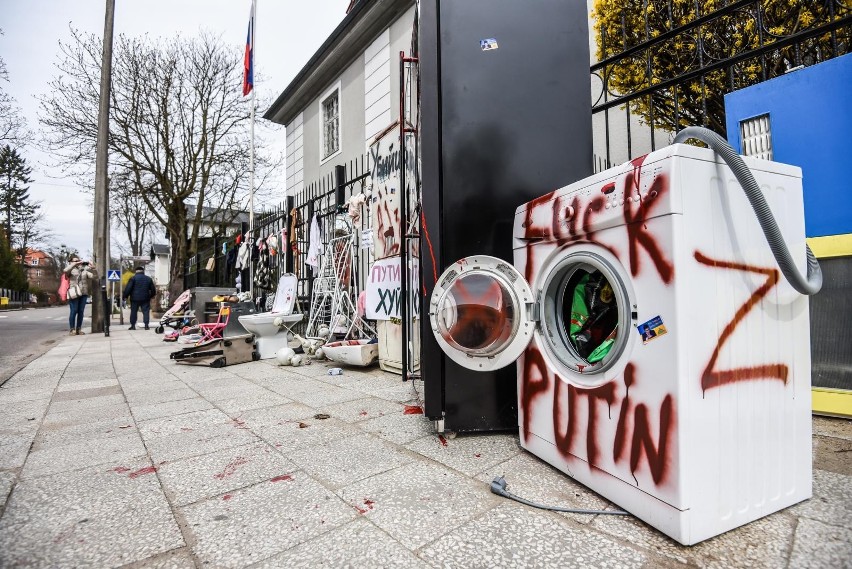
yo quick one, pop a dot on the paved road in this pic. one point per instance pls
(27, 334)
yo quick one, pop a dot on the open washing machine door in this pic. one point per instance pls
(482, 313)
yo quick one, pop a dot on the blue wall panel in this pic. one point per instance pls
(810, 116)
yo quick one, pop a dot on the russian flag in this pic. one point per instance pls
(248, 63)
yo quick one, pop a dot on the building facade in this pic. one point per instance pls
(347, 93)
(42, 272)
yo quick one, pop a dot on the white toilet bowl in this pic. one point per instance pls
(270, 337)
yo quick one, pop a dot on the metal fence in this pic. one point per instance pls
(290, 223)
(666, 65)
(13, 298)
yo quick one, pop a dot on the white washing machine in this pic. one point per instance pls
(663, 360)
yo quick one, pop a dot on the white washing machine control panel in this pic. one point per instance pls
(633, 192)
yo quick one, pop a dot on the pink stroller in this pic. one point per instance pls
(177, 317)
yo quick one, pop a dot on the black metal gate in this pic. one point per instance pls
(667, 64)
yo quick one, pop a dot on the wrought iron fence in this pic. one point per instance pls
(290, 223)
(667, 64)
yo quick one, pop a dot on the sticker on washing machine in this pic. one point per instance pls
(652, 329)
(488, 44)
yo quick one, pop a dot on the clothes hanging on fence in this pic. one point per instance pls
(263, 272)
(295, 220)
(293, 240)
(255, 250)
(231, 260)
(243, 257)
(355, 203)
(314, 245)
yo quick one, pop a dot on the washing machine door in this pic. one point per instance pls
(482, 313)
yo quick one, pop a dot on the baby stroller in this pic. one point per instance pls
(175, 317)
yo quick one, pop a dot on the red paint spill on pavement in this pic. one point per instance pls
(119, 469)
(363, 413)
(477, 455)
(413, 410)
(239, 423)
(443, 440)
(227, 497)
(282, 478)
(231, 468)
(141, 471)
(185, 429)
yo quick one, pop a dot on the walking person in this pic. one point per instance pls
(82, 278)
(140, 289)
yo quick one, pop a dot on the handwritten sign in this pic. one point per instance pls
(384, 291)
(386, 161)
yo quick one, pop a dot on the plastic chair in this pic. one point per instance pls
(213, 330)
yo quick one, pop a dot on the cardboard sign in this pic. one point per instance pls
(385, 161)
(384, 289)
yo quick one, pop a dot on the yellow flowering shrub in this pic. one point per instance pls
(622, 24)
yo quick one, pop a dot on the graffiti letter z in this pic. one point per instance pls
(716, 378)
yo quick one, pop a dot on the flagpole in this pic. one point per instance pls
(251, 194)
(251, 155)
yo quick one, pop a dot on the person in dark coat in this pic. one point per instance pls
(140, 290)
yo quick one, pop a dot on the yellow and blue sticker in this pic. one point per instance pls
(652, 329)
(488, 44)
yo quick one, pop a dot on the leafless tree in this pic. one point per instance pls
(13, 127)
(179, 126)
(130, 214)
(32, 231)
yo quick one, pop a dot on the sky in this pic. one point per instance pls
(29, 46)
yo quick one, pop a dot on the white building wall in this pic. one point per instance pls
(400, 40)
(369, 88)
(295, 156)
(377, 86)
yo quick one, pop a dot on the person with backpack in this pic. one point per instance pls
(140, 289)
(82, 279)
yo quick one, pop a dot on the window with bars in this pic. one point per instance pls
(331, 124)
(756, 137)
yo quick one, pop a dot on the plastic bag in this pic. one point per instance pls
(64, 283)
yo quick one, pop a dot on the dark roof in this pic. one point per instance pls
(160, 249)
(365, 20)
(210, 214)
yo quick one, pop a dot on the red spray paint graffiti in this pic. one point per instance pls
(564, 442)
(567, 428)
(716, 378)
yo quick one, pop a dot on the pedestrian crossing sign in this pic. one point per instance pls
(113, 275)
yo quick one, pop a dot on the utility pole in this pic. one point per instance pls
(100, 244)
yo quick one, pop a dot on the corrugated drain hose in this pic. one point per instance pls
(813, 282)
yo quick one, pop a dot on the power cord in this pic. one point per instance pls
(498, 486)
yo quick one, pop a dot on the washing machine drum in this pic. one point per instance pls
(593, 318)
(483, 313)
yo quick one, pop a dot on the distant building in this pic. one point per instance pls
(158, 268)
(41, 270)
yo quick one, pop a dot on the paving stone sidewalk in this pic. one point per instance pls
(113, 455)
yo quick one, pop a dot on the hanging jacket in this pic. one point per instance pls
(315, 244)
(243, 258)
